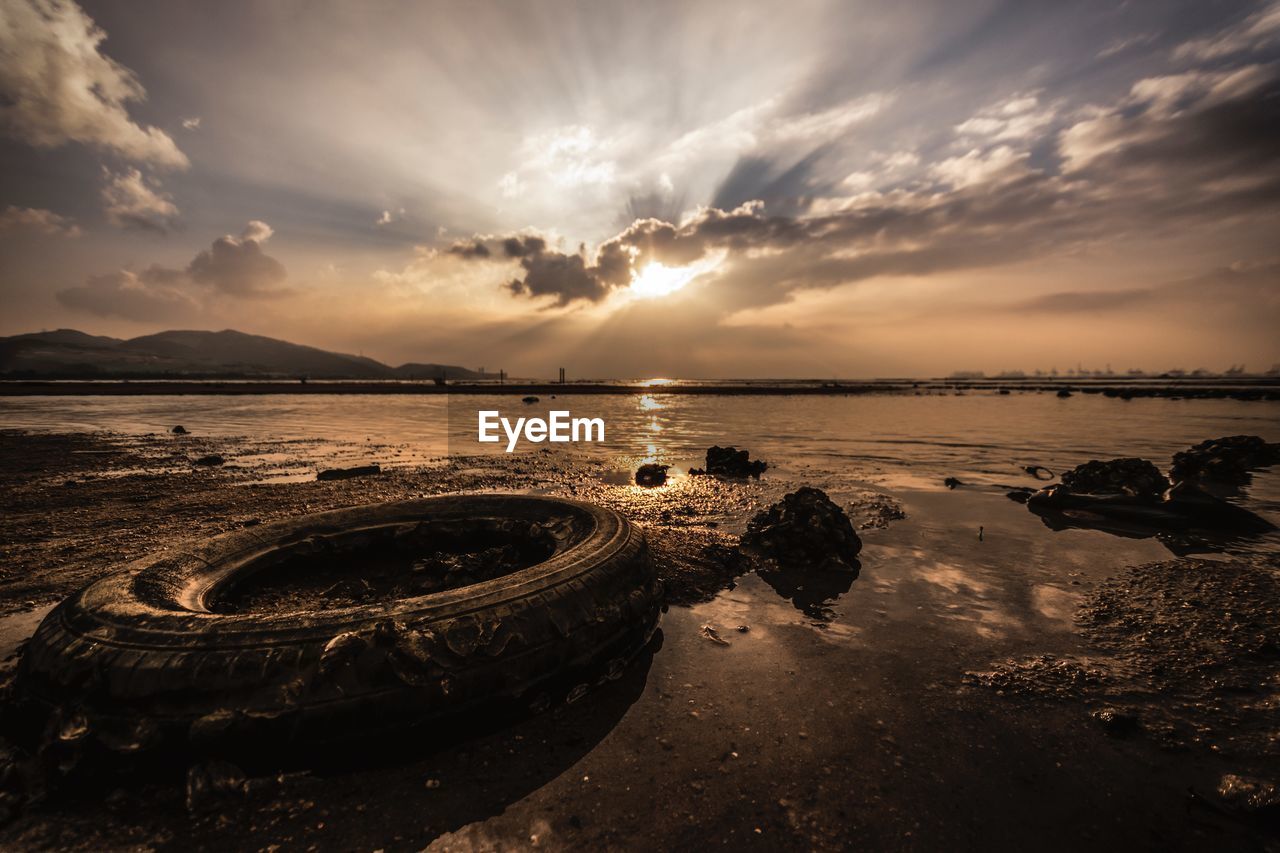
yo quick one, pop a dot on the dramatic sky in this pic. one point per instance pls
(713, 189)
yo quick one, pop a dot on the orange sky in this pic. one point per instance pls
(704, 189)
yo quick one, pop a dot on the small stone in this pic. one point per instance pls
(348, 473)
(1117, 722)
(1249, 794)
(213, 781)
(651, 474)
(731, 462)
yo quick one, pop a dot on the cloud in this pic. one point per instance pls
(1084, 301)
(239, 267)
(257, 231)
(470, 249)
(521, 246)
(234, 267)
(564, 277)
(147, 296)
(509, 185)
(1016, 118)
(57, 87)
(38, 220)
(769, 129)
(130, 201)
(387, 217)
(1125, 43)
(991, 167)
(1255, 32)
(568, 157)
(779, 152)
(1247, 292)
(191, 123)
(993, 219)
(1186, 140)
(1175, 151)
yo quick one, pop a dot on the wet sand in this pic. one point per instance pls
(948, 697)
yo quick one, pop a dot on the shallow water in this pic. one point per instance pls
(973, 432)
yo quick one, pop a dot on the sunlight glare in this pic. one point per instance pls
(657, 279)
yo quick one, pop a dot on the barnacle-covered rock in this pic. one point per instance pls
(1226, 460)
(1128, 476)
(806, 529)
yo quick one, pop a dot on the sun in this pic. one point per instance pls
(657, 279)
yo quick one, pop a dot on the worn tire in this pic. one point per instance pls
(138, 654)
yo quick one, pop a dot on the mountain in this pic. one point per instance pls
(251, 355)
(68, 354)
(67, 337)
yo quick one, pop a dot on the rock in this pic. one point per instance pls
(73, 729)
(348, 473)
(529, 399)
(1064, 393)
(1129, 476)
(179, 430)
(212, 460)
(341, 651)
(952, 482)
(214, 726)
(1184, 517)
(213, 781)
(806, 529)
(1248, 794)
(130, 737)
(731, 462)
(1038, 470)
(1226, 460)
(876, 511)
(651, 474)
(1117, 722)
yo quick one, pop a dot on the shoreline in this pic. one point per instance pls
(1248, 390)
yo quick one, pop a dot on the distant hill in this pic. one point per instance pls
(70, 354)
